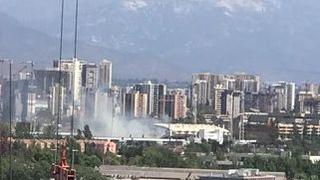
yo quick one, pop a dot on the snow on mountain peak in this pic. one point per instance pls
(234, 5)
(134, 5)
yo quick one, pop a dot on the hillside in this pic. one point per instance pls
(277, 39)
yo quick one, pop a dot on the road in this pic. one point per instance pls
(166, 173)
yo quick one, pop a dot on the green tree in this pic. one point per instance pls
(79, 134)
(87, 132)
(112, 159)
(90, 160)
(4, 134)
(129, 152)
(23, 130)
(89, 173)
(49, 132)
(156, 156)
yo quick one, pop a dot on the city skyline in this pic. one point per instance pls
(210, 89)
(159, 89)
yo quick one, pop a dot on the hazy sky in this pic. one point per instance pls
(277, 39)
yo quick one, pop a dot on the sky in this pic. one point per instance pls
(170, 39)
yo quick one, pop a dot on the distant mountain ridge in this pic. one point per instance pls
(277, 39)
(21, 43)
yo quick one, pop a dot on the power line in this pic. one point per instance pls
(76, 30)
(2, 129)
(75, 58)
(74, 70)
(59, 87)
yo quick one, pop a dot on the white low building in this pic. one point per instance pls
(314, 159)
(200, 131)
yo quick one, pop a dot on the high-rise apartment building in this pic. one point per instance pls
(264, 102)
(90, 76)
(179, 105)
(155, 92)
(204, 85)
(231, 107)
(218, 91)
(247, 82)
(45, 78)
(74, 66)
(201, 90)
(305, 102)
(140, 105)
(105, 75)
(136, 105)
(19, 99)
(149, 89)
(231, 103)
(312, 88)
(284, 96)
(280, 103)
(160, 91)
(57, 99)
(229, 82)
(31, 106)
(291, 96)
(90, 86)
(174, 105)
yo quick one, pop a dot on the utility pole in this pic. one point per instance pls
(10, 115)
(72, 163)
(10, 122)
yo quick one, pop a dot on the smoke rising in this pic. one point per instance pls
(108, 121)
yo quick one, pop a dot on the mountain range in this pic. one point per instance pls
(169, 39)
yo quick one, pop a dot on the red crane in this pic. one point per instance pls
(62, 171)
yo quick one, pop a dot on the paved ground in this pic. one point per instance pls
(165, 173)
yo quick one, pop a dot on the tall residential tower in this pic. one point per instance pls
(105, 74)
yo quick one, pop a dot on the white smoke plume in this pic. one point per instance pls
(107, 123)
